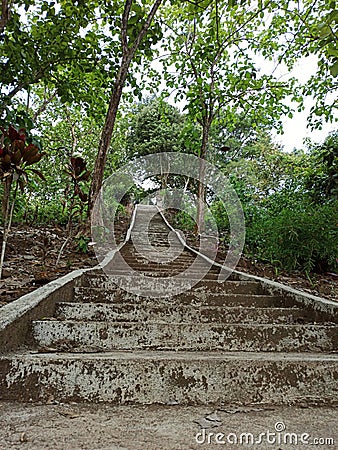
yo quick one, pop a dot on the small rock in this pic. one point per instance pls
(50, 400)
(69, 414)
(209, 421)
(6, 273)
(213, 417)
(23, 437)
(173, 403)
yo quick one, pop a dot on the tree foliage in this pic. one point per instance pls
(322, 176)
(71, 48)
(291, 215)
(154, 127)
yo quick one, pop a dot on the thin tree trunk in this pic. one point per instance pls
(6, 195)
(5, 14)
(165, 170)
(106, 135)
(201, 191)
(128, 51)
(69, 230)
(44, 105)
(7, 227)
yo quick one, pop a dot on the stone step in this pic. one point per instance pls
(146, 222)
(150, 377)
(156, 246)
(159, 228)
(156, 239)
(195, 272)
(169, 266)
(161, 258)
(158, 233)
(76, 336)
(231, 285)
(154, 222)
(197, 299)
(156, 230)
(132, 249)
(182, 257)
(158, 273)
(176, 258)
(131, 312)
(190, 271)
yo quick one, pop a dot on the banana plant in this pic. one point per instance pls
(17, 155)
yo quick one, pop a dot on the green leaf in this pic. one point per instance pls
(133, 20)
(324, 31)
(334, 69)
(331, 51)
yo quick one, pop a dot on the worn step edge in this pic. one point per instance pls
(88, 336)
(164, 268)
(151, 273)
(91, 294)
(171, 377)
(179, 313)
(205, 286)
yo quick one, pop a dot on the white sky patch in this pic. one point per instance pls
(295, 129)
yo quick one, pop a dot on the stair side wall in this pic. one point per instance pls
(17, 316)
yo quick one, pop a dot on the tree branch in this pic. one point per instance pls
(44, 105)
(124, 25)
(227, 41)
(145, 27)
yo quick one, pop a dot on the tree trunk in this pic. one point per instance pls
(107, 132)
(5, 13)
(6, 194)
(201, 192)
(128, 52)
(7, 226)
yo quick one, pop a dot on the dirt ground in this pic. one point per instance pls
(32, 253)
(158, 427)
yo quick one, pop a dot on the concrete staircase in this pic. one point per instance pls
(229, 342)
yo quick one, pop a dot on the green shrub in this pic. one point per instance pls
(220, 216)
(184, 221)
(82, 243)
(301, 238)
